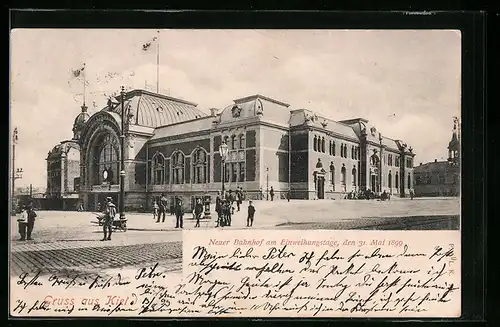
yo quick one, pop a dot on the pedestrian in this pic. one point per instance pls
(22, 224)
(179, 214)
(251, 213)
(261, 194)
(163, 208)
(229, 212)
(31, 215)
(271, 193)
(156, 210)
(218, 208)
(288, 195)
(238, 199)
(411, 194)
(198, 210)
(109, 217)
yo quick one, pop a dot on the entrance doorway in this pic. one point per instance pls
(321, 187)
(375, 186)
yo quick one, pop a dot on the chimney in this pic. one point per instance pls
(213, 112)
(435, 160)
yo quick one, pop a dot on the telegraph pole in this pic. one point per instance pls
(14, 141)
(16, 173)
(122, 156)
(267, 183)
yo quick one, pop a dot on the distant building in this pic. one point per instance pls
(441, 178)
(172, 147)
(63, 170)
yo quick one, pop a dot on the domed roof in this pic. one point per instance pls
(82, 118)
(155, 110)
(80, 121)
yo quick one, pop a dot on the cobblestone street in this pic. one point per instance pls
(94, 259)
(69, 241)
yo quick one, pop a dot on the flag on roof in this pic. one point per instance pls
(78, 72)
(147, 45)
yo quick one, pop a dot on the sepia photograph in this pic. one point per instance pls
(122, 141)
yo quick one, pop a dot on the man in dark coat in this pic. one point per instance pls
(31, 216)
(109, 217)
(251, 213)
(271, 193)
(218, 208)
(239, 198)
(198, 210)
(179, 214)
(227, 213)
(163, 208)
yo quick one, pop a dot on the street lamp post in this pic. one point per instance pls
(267, 183)
(122, 156)
(223, 154)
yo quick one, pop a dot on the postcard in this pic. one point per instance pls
(235, 173)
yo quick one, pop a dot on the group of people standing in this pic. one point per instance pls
(26, 222)
(224, 207)
(161, 207)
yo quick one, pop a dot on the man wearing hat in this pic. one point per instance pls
(109, 216)
(251, 214)
(179, 214)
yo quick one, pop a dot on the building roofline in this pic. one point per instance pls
(134, 92)
(353, 120)
(183, 122)
(257, 96)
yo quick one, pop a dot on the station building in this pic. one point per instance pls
(63, 170)
(172, 147)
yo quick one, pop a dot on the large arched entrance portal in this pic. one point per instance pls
(103, 167)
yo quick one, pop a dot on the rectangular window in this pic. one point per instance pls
(234, 176)
(242, 171)
(227, 174)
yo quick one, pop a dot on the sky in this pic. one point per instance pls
(405, 82)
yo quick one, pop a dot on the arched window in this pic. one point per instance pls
(158, 166)
(315, 146)
(332, 175)
(354, 175)
(177, 167)
(242, 141)
(390, 180)
(409, 180)
(323, 145)
(199, 163)
(396, 180)
(233, 142)
(343, 178)
(352, 152)
(333, 148)
(108, 161)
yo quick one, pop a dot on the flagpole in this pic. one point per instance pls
(158, 64)
(83, 71)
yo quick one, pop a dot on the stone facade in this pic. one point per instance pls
(171, 147)
(441, 178)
